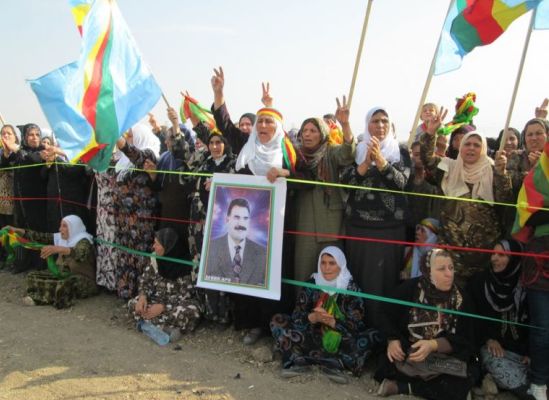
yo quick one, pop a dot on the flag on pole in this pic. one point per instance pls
(190, 106)
(80, 9)
(92, 101)
(533, 194)
(473, 23)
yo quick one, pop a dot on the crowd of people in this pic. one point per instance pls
(447, 197)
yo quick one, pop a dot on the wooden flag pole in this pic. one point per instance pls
(517, 81)
(2, 120)
(427, 82)
(359, 53)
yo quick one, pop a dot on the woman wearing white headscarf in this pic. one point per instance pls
(135, 205)
(73, 273)
(380, 163)
(472, 175)
(326, 328)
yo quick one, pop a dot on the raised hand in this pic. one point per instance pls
(436, 122)
(218, 80)
(501, 162)
(541, 111)
(266, 98)
(342, 112)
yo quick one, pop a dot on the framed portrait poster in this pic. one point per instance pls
(242, 247)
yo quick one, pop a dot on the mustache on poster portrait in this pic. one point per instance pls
(240, 228)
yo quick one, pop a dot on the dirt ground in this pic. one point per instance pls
(92, 351)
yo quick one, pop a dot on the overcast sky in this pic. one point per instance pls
(305, 48)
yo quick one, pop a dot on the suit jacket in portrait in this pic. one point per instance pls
(220, 265)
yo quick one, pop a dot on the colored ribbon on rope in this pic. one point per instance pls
(308, 182)
(10, 240)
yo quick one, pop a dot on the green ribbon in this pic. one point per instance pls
(10, 249)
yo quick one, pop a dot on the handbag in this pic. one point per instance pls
(435, 364)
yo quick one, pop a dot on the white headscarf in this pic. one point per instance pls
(260, 158)
(143, 138)
(77, 232)
(344, 277)
(389, 145)
(458, 174)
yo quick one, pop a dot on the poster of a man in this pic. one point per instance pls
(234, 257)
(242, 248)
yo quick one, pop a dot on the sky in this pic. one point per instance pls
(306, 49)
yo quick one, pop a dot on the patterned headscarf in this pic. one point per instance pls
(427, 324)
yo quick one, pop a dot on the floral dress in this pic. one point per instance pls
(107, 255)
(214, 305)
(181, 310)
(303, 343)
(135, 205)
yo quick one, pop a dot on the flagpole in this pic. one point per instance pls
(359, 53)
(2, 120)
(165, 100)
(517, 81)
(428, 81)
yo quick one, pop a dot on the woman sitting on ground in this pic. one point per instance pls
(415, 334)
(497, 293)
(326, 328)
(74, 274)
(165, 290)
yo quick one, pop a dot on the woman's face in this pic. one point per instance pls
(470, 152)
(245, 125)
(7, 134)
(442, 273)
(33, 137)
(421, 234)
(46, 142)
(216, 147)
(511, 143)
(266, 128)
(535, 137)
(158, 248)
(499, 260)
(379, 125)
(456, 141)
(64, 230)
(310, 136)
(329, 268)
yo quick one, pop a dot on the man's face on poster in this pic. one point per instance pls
(238, 222)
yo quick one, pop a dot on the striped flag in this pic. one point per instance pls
(92, 101)
(190, 106)
(473, 23)
(533, 194)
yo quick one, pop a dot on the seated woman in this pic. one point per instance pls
(414, 334)
(326, 328)
(498, 294)
(75, 274)
(426, 233)
(165, 290)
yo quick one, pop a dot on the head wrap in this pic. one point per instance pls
(431, 226)
(143, 139)
(344, 277)
(389, 145)
(458, 174)
(250, 116)
(314, 157)
(25, 131)
(427, 324)
(462, 130)
(77, 232)
(260, 158)
(168, 238)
